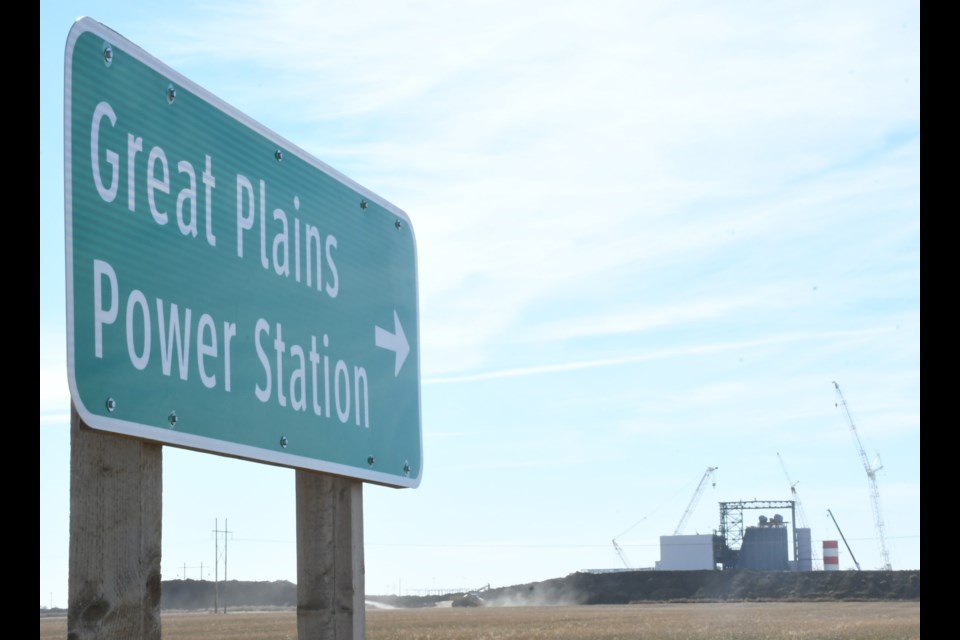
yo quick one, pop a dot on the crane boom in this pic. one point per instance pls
(846, 544)
(621, 553)
(871, 470)
(694, 499)
(801, 514)
(793, 492)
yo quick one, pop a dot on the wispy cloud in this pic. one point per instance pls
(686, 351)
(572, 147)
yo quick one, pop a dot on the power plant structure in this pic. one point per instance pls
(763, 546)
(776, 539)
(773, 542)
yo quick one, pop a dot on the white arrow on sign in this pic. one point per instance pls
(396, 342)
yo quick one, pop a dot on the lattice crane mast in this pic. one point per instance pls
(871, 469)
(696, 497)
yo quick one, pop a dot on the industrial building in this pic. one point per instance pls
(689, 553)
(763, 546)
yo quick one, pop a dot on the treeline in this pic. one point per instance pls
(201, 594)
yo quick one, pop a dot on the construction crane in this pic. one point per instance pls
(696, 496)
(844, 538)
(801, 514)
(871, 470)
(793, 493)
(616, 546)
(621, 553)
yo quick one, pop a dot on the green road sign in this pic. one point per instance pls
(227, 291)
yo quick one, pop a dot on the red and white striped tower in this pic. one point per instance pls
(831, 555)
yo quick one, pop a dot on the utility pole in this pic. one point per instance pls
(216, 571)
(216, 566)
(225, 532)
(186, 571)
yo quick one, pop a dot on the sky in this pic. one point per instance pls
(650, 236)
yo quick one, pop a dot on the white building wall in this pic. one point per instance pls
(686, 553)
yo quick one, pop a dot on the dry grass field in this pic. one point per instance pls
(719, 621)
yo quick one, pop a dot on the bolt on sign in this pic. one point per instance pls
(227, 291)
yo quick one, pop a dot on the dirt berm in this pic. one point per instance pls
(592, 588)
(659, 586)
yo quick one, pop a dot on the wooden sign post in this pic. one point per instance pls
(116, 506)
(330, 571)
(116, 500)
